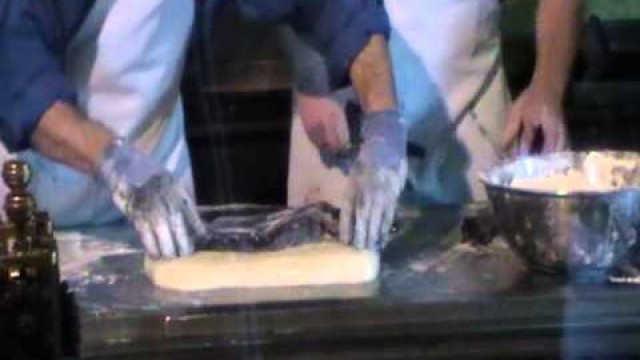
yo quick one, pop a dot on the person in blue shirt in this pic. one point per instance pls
(90, 98)
(448, 71)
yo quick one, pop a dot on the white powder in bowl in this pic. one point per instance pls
(599, 173)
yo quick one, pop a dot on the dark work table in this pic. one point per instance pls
(438, 296)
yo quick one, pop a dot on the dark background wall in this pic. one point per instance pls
(238, 105)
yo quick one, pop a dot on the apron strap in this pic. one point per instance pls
(482, 90)
(417, 151)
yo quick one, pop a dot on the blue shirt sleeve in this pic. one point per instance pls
(338, 29)
(33, 39)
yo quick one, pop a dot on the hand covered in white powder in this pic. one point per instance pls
(163, 214)
(376, 180)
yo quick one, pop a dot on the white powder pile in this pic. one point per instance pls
(599, 173)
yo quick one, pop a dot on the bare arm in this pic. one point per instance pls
(539, 107)
(64, 135)
(372, 77)
(556, 39)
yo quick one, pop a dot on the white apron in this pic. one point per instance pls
(126, 62)
(453, 96)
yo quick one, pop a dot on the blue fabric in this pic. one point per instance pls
(33, 38)
(34, 35)
(88, 202)
(338, 29)
(343, 30)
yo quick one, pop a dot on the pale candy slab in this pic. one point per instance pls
(320, 263)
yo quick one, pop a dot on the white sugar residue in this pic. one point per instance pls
(598, 173)
(79, 250)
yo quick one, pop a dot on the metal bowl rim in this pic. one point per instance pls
(483, 176)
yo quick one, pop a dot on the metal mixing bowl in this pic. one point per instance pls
(560, 231)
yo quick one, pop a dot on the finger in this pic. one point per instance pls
(179, 224)
(387, 223)
(159, 219)
(185, 243)
(551, 134)
(390, 210)
(346, 217)
(147, 237)
(398, 182)
(363, 210)
(563, 142)
(342, 131)
(561, 134)
(399, 179)
(336, 131)
(526, 139)
(195, 225)
(169, 220)
(550, 139)
(375, 229)
(332, 138)
(512, 127)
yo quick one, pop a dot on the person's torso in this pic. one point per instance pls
(442, 51)
(125, 61)
(447, 68)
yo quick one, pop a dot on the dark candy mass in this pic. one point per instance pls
(269, 230)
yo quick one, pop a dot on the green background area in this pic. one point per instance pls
(518, 24)
(519, 15)
(614, 9)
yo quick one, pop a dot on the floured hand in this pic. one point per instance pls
(163, 214)
(376, 180)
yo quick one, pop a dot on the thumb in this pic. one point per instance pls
(341, 129)
(512, 127)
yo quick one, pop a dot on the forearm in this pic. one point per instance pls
(64, 135)
(372, 77)
(350, 38)
(556, 42)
